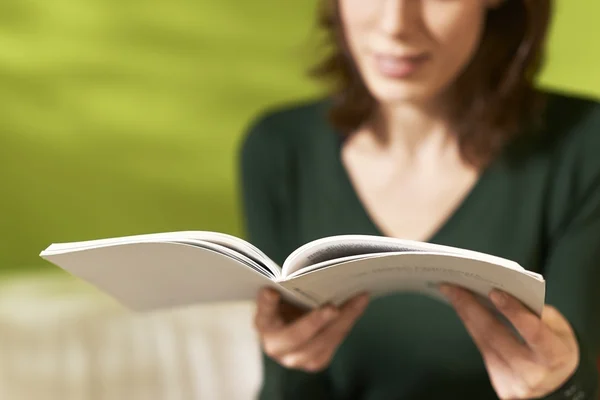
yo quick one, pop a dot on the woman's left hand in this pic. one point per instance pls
(517, 370)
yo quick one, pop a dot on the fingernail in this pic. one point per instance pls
(448, 291)
(499, 298)
(270, 296)
(329, 313)
(361, 302)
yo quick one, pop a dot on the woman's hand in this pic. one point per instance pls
(517, 370)
(304, 341)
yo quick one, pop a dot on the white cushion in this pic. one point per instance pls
(60, 339)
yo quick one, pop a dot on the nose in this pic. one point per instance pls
(399, 17)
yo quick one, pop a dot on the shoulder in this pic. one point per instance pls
(284, 126)
(572, 124)
(275, 138)
(567, 138)
(575, 117)
(563, 158)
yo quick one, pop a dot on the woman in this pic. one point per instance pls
(433, 132)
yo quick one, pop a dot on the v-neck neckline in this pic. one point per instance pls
(451, 222)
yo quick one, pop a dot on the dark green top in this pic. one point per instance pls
(538, 204)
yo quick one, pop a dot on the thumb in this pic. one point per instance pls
(556, 322)
(267, 316)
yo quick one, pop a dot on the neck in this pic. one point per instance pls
(413, 130)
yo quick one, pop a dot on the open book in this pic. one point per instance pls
(166, 270)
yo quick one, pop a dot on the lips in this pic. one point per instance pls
(399, 66)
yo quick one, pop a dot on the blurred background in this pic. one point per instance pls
(121, 117)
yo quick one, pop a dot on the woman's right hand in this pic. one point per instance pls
(304, 340)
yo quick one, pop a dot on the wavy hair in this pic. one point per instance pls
(493, 98)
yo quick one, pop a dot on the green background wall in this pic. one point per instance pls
(124, 116)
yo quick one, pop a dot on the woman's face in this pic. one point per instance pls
(411, 50)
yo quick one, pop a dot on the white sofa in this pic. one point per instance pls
(60, 339)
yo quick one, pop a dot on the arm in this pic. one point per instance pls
(572, 269)
(555, 360)
(573, 286)
(267, 226)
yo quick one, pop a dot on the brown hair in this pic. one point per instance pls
(495, 94)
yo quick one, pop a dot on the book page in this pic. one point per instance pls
(239, 245)
(330, 263)
(415, 272)
(148, 276)
(335, 247)
(241, 257)
(202, 244)
(229, 241)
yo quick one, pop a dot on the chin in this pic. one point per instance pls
(401, 92)
(417, 87)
